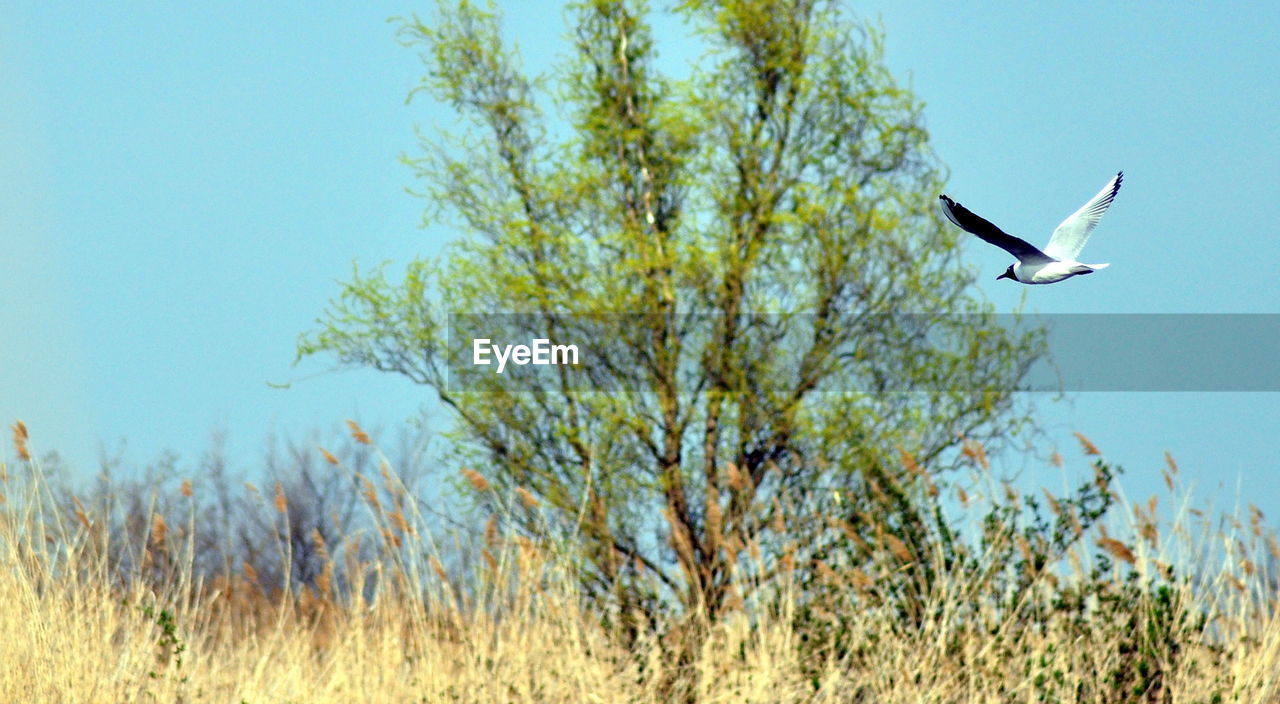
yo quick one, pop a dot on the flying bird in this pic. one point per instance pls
(1058, 260)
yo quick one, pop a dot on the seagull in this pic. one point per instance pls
(1058, 260)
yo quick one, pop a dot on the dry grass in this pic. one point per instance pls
(70, 633)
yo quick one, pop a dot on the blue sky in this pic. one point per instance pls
(181, 186)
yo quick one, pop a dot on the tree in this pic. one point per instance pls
(780, 332)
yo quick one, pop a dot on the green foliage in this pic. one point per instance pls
(168, 645)
(169, 650)
(1133, 627)
(752, 260)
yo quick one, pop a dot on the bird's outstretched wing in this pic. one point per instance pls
(967, 221)
(1069, 238)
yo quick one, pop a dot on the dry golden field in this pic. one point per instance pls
(73, 629)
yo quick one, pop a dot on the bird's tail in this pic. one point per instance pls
(1079, 268)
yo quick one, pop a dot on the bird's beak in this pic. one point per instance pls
(1004, 275)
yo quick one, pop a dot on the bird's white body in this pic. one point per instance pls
(1057, 261)
(1052, 272)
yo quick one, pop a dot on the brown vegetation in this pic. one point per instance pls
(383, 619)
